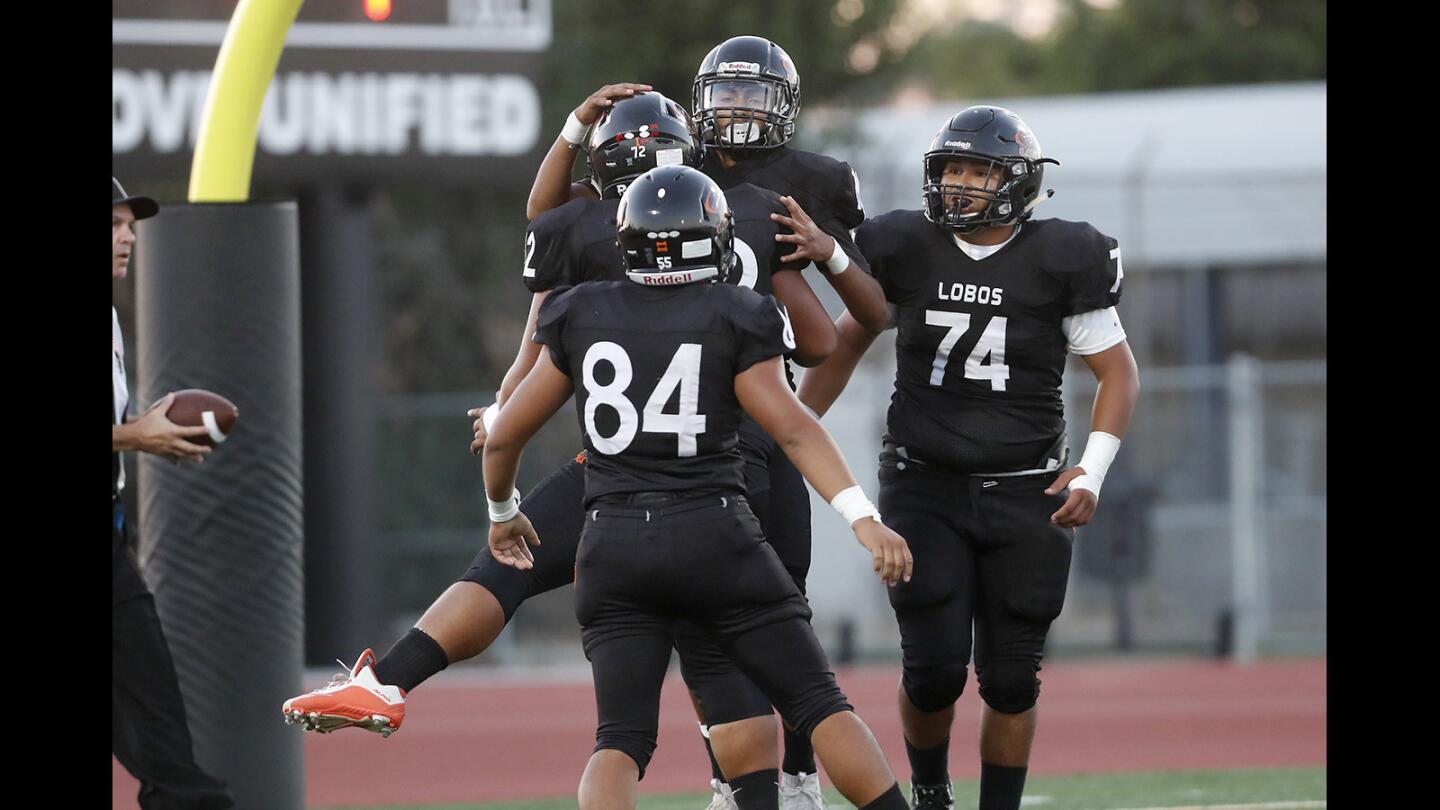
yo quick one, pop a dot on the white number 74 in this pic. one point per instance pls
(991, 344)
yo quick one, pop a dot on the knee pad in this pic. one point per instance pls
(814, 711)
(636, 746)
(731, 700)
(1009, 686)
(510, 586)
(934, 688)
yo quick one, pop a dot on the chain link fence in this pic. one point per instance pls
(1210, 536)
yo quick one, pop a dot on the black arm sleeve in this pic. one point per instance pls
(550, 326)
(545, 248)
(1088, 263)
(762, 329)
(874, 239)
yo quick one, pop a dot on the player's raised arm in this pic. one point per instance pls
(821, 386)
(552, 187)
(762, 392)
(814, 333)
(860, 292)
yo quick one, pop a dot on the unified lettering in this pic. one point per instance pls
(433, 114)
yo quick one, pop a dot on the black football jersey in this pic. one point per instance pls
(826, 188)
(572, 243)
(654, 373)
(576, 242)
(980, 349)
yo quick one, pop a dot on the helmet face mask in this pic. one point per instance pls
(992, 137)
(637, 134)
(746, 95)
(944, 201)
(673, 227)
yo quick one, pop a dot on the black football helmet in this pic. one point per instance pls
(751, 83)
(993, 134)
(675, 227)
(635, 135)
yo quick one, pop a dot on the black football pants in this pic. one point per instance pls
(987, 557)
(644, 564)
(148, 729)
(777, 495)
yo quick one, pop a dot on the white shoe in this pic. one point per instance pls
(724, 798)
(801, 792)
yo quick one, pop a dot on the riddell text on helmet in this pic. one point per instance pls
(669, 278)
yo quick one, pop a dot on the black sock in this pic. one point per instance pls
(799, 756)
(715, 772)
(411, 660)
(757, 791)
(891, 799)
(1001, 786)
(929, 766)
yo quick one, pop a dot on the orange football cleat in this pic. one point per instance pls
(353, 699)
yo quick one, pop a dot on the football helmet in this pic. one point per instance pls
(674, 226)
(746, 95)
(635, 135)
(997, 136)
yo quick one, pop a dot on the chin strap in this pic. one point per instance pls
(1035, 203)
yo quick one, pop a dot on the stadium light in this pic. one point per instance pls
(377, 10)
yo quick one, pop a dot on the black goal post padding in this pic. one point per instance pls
(221, 543)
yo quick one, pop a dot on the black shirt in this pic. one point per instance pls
(981, 350)
(654, 372)
(825, 187)
(576, 242)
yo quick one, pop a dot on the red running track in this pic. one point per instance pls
(479, 737)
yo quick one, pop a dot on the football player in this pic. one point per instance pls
(661, 366)
(568, 245)
(989, 303)
(746, 100)
(744, 728)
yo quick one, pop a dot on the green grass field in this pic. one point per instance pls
(1262, 789)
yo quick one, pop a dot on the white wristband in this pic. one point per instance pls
(839, 260)
(491, 414)
(574, 131)
(853, 505)
(1100, 451)
(506, 510)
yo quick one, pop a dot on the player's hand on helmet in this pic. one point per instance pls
(155, 433)
(508, 542)
(811, 241)
(889, 550)
(601, 100)
(478, 444)
(1079, 507)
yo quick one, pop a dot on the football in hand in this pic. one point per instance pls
(194, 407)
